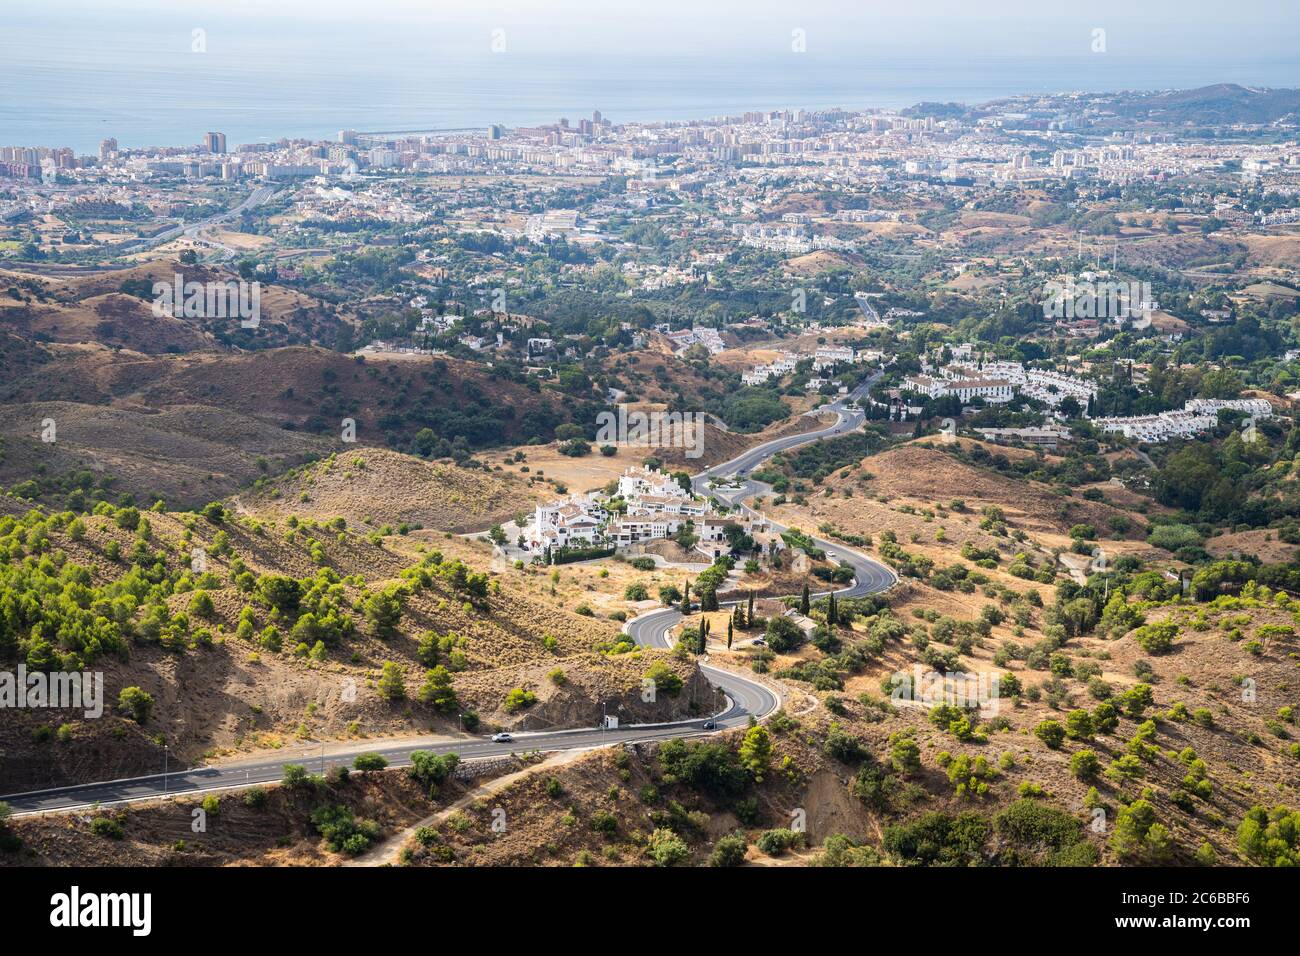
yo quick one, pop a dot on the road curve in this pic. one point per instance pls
(746, 696)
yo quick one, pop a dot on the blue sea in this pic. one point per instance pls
(156, 81)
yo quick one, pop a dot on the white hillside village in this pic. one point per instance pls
(649, 505)
(967, 377)
(1197, 415)
(970, 375)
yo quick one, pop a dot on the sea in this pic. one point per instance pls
(166, 81)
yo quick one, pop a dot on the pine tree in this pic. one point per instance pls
(709, 600)
(804, 604)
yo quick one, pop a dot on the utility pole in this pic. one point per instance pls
(166, 754)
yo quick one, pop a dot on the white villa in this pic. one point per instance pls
(657, 507)
(639, 481)
(711, 339)
(782, 365)
(577, 520)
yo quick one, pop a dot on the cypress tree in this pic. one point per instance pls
(686, 599)
(804, 604)
(730, 633)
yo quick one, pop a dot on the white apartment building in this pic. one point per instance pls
(657, 507)
(709, 338)
(1197, 415)
(828, 355)
(1254, 407)
(575, 521)
(1043, 385)
(1158, 428)
(660, 505)
(640, 482)
(992, 390)
(636, 528)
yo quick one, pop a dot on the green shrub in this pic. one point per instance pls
(1051, 733)
(106, 827)
(370, 762)
(776, 842)
(729, 850)
(517, 699)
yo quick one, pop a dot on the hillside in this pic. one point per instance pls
(115, 308)
(308, 389)
(186, 454)
(376, 487)
(251, 634)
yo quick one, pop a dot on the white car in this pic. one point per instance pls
(502, 738)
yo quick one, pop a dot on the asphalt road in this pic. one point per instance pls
(750, 696)
(746, 696)
(256, 198)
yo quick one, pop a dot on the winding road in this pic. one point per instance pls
(746, 696)
(750, 697)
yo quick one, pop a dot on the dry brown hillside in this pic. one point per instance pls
(376, 487)
(306, 388)
(924, 475)
(115, 308)
(188, 454)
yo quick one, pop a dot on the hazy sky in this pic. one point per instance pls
(79, 70)
(1133, 28)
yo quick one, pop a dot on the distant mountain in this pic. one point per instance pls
(1222, 103)
(940, 111)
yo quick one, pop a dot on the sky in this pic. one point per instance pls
(1204, 28)
(79, 70)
